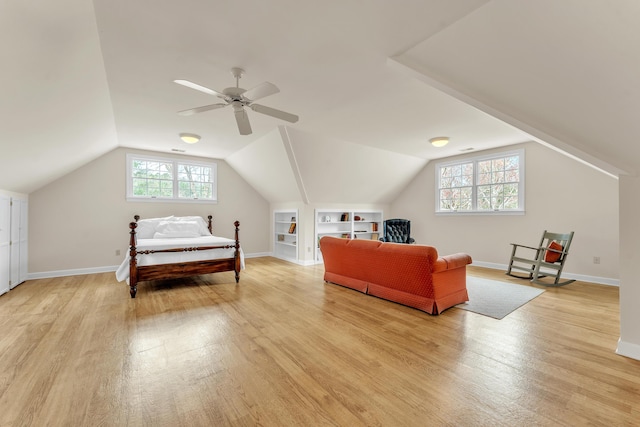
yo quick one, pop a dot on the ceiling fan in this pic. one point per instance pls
(239, 98)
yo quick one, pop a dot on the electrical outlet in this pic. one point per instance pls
(117, 252)
(309, 249)
(596, 260)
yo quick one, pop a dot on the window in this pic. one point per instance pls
(168, 179)
(484, 184)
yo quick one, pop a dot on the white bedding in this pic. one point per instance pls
(167, 258)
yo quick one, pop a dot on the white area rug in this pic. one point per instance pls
(496, 299)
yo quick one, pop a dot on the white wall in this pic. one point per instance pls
(338, 171)
(629, 344)
(561, 195)
(81, 219)
(267, 157)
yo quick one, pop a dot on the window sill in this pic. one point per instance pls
(473, 213)
(167, 200)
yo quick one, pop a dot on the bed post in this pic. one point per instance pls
(236, 254)
(133, 272)
(210, 217)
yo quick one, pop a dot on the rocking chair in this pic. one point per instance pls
(547, 259)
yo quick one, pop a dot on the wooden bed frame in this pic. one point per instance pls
(181, 269)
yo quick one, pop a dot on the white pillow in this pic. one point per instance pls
(174, 229)
(203, 227)
(147, 227)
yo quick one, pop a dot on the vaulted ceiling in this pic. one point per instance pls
(371, 82)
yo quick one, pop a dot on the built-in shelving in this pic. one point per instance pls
(285, 240)
(347, 224)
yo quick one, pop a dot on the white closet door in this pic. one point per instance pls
(24, 240)
(5, 236)
(15, 243)
(18, 240)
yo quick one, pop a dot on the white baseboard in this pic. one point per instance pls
(74, 272)
(304, 263)
(628, 349)
(581, 277)
(257, 255)
(113, 268)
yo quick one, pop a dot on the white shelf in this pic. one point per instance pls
(286, 244)
(285, 235)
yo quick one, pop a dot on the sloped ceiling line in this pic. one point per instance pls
(286, 141)
(410, 67)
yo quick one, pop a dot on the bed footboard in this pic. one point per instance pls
(133, 270)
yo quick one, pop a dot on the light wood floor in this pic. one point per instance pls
(283, 348)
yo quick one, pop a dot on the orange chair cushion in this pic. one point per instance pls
(551, 256)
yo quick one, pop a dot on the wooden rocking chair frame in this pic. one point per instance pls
(536, 267)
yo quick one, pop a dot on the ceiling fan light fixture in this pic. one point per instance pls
(439, 141)
(189, 138)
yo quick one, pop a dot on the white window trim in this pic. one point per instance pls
(475, 160)
(176, 161)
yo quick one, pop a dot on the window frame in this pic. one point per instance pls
(176, 163)
(474, 160)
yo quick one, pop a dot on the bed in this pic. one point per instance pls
(173, 247)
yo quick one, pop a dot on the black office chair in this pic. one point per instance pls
(397, 231)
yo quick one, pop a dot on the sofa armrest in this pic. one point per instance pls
(449, 262)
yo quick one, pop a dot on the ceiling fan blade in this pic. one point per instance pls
(243, 121)
(260, 91)
(274, 113)
(196, 86)
(191, 111)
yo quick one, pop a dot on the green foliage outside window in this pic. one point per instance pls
(168, 179)
(152, 179)
(195, 182)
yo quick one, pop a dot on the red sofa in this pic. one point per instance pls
(412, 275)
